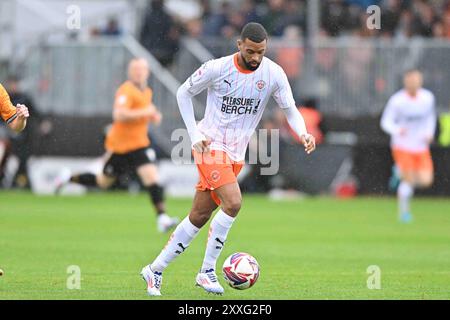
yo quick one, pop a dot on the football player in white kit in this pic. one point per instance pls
(410, 119)
(239, 87)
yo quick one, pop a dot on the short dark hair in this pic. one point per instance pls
(254, 31)
(411, 70)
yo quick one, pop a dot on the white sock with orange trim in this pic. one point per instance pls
(180, 239)
(218, 232)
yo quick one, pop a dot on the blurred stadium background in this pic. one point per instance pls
(334, 63)
(312, 247)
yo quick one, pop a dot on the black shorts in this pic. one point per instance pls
(118, 164)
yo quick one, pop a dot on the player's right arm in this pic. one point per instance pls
(388, 119)
(122, 108)
(195, 84)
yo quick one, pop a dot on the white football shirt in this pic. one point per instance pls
(236, 100)
(416, 115)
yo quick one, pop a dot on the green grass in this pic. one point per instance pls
(316, 248)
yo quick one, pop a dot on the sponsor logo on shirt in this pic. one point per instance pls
(414, 118)
(232, 105)
(228, 82)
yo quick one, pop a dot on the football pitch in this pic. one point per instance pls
(313, 248)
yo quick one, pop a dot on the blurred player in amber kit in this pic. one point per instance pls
(410, 119)
(36, 130)
(15, 117)
(127, 144)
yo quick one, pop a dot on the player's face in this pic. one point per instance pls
(139, 72)
(413, 81)
(252, 52)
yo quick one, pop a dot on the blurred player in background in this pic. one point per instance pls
(127, 143)
(410, 119)
(239, 87)
(37, 129)
(15, 117)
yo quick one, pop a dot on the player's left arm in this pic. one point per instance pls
(15, 117)
(431, 121)
(20, 122)
(283, 96)
(156, 117)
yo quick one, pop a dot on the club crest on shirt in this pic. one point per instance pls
(198, 73)
(122, 99)
(215, 175)
(260, 85)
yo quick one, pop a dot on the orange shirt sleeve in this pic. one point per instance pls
(7, 110)
(124, 98)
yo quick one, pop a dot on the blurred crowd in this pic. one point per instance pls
(399, 18)
(162, 28)
(405, 18)
(288, 19)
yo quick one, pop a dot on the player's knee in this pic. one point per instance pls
(104, 185)
(200, 217)
(232, 206)
(149, 180)
(148, 174)
(426, 181)
(409, 178)
(104, 182)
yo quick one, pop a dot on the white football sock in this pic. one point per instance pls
(404, 193)
(180, 239)
(218, 232)
(163, 218)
